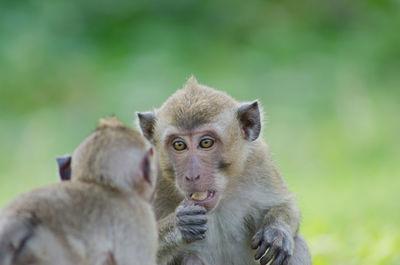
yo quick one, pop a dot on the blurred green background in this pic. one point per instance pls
(327, 73)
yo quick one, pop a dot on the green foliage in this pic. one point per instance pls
(327, 73)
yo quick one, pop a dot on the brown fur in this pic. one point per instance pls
(254, 201)
(194, 105)
(102, 216)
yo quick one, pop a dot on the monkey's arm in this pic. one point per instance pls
(277, 233)
(286, 215)
(169, 238)
(186, 225)
(14, 233)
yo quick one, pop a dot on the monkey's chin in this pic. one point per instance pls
(207, 199)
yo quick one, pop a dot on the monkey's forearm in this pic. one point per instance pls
(285, 215)
(277, 234)
(168, 236)
(187, 224)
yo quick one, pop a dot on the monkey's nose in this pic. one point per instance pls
(192, 178)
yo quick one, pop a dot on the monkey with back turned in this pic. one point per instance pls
(102, 216)
(220, 197)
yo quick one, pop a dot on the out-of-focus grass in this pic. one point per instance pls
(327, 73)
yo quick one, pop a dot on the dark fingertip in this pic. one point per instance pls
(203, 229)
(286, 260)
(278, 259)
(272, 252)
(258, 255)
(264, 260)
(261, 251)
(199, 237)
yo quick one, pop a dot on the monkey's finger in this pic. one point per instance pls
(286, 260)
(278, 259)
(261, 251)
(272, 252)
(193, 233)
(190, 210)
(200, 228)
(191, 238)
(199, 237)
(257, 239)
(194, 229)
(192, 219)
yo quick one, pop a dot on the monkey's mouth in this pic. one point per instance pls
(204, 196)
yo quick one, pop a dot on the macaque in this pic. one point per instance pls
(220, 198)
(101, 216)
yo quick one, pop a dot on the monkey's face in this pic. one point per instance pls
(196, 156)
(203, 138)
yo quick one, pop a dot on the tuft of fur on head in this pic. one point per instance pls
(109, 122)
(195, 105)
(191, 80)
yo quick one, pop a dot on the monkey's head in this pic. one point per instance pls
(113, 155)
(203, 137)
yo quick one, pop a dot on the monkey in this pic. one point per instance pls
(220, 198)
(101, 214)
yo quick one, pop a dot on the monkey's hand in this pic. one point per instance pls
(279, 243)
(191, 221)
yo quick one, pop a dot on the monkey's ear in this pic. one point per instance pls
(146, 122)
(145, 182)
(64, 167)
(146, 167)
(250, 121)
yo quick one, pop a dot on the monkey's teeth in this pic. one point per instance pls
(199, 196)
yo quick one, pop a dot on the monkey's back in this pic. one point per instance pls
(95, 223)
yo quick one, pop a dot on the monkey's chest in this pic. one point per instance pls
(226, 242)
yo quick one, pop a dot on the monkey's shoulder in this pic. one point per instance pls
(60, 200)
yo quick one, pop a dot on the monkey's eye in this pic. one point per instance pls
(179, 145)
(206, 143)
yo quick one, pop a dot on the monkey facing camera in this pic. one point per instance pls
(220, 198)
(101, 215)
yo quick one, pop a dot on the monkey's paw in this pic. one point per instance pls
(279, 243)
(191, 221)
